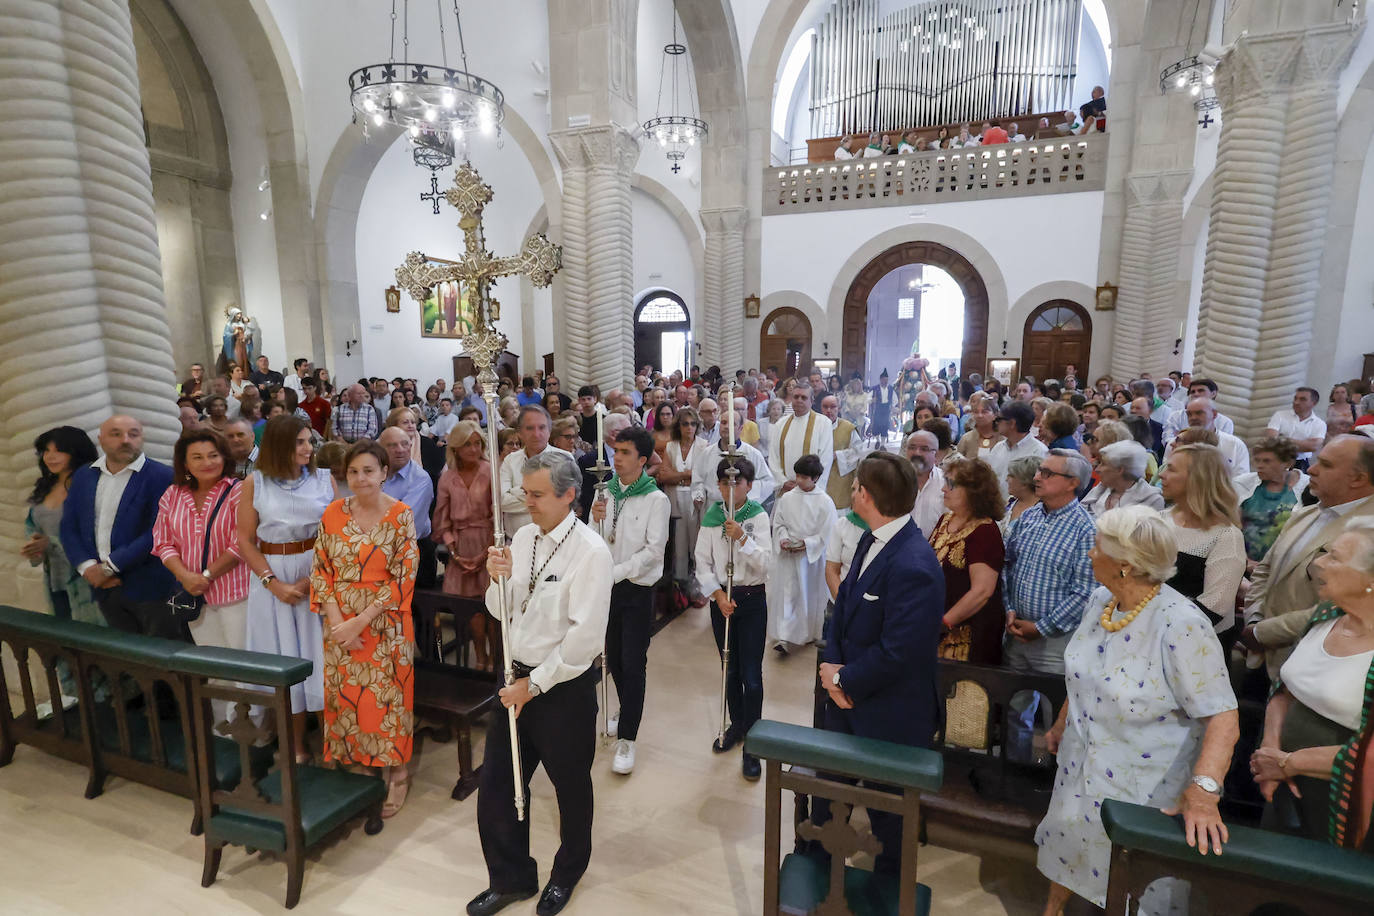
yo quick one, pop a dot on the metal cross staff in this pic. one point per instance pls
(539, 260)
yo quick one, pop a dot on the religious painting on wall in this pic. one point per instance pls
(1004, 370)
(448, 311)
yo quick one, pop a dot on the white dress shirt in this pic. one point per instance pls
(1287, 423)
(844, 540)
(109, 490)
(443, 425)
(706, 488)
(753, 558)
(514, 514)
(1178, 420)
(560, 627)
(1004, 453)
(930, 503)
(1232, 449)
(641, 534)
(881, 536)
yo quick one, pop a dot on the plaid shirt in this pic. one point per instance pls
(355, 423)
(1047, 575)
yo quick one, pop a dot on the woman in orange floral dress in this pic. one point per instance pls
(362, 581)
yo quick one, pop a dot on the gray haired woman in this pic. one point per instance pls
(1021, 487)
(1121, 470)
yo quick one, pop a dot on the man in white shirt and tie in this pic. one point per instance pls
(556, 578)
(804, 433)
(533, 423)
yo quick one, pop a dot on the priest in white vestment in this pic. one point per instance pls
(804, 433)
(797, 591)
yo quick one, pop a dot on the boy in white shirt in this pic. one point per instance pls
(802, 521)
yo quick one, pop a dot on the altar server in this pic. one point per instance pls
(632, 517)
(557, 580)
(747, 603)
(801, 530)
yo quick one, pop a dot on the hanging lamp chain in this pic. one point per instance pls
(462, 47)
(405, 32)
(443, 43)
(392, 58)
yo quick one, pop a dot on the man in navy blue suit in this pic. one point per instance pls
(107, 531)
(879, 661)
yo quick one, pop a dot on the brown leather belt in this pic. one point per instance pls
(290, 548)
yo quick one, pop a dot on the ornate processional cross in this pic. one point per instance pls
(539, 260)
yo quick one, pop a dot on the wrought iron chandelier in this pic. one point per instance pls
(675, 132)
(435, 104)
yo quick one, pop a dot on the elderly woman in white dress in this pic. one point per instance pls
(1150, 716)
(1121, 468)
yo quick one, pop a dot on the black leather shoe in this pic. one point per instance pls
(490, 901)
(727, 741)
(751, 767)
(554, 898)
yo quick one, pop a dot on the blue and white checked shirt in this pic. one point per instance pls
(1047, 575)
(354, 424)
(412, 486)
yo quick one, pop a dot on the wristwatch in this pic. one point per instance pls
(534, 688)
(835, 679)
(1207, 784)
(108, 569)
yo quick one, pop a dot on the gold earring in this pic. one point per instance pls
(1123, 573)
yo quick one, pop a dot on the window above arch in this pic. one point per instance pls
(1057, 318)
(662, 310)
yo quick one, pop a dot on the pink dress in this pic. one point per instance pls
(465, 512)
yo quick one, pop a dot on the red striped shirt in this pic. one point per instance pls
(180, 532)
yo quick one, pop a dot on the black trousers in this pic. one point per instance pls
(427, 574)
(744, 677)
(557, 729)
(887, 827)
(627, 650)
(146, 618)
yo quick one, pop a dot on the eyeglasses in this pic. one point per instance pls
(1046, 472)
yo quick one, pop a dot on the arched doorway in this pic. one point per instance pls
(663, 332)
(785, 342)
(1058, 334)
(974, 357)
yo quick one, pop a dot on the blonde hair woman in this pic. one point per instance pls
(404, 418)
(463, 523)
(982, 434)
(1150, 716)
(1205, 516)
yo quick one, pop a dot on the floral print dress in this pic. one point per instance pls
(1137, 700)
(369, 694)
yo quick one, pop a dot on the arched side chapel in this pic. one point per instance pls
(215, 100)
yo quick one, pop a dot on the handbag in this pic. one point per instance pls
(185, 606)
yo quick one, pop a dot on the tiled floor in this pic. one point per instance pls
(684, 834)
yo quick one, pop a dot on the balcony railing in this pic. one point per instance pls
(1036, 167)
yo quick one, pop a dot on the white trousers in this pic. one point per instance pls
(226, 626)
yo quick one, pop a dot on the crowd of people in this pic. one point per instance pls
(1116, 534)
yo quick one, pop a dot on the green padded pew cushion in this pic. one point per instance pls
(238, 665)
(1256, 853)
(328, 798)
(861, 758)
(804, 881)
(149, 651)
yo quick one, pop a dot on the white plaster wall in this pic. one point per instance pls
(661, 254)
(1356, 318)
(1033, 241)
(653, 32)
(1092, 67)
(392, 222)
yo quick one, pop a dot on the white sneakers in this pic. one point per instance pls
(624, 762)
(612, 725)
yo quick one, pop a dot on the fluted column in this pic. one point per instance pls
(1148, 302)
(721, 317)
(81, 303)
(598, 253)
(1268, 220)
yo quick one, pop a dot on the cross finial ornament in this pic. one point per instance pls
(434, 196)
(539, 260)
(1206, 120)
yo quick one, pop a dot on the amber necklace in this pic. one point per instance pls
(1111, 626)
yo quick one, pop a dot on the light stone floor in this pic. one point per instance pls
(682, 835)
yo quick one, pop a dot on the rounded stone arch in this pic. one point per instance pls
(345, 177)
(1037, 296)
(644, 331)
(854, 327)
(1056, 333)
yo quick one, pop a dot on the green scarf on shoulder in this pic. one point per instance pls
(856, 521)
(645, 484)
(715, 516)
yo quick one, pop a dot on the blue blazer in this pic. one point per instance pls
(131, 539)
(885, 630)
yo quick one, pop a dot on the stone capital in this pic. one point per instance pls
(724, 219)
(606, 145)
(1149, 188)
(1279, 62)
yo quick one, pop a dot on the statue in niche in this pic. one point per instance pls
(241, 340)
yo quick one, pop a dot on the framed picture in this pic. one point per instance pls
(393, 299)
(751, 306)
(448, 312)
(1106, 298)
(1006, 371)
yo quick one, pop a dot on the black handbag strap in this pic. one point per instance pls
(209, 526)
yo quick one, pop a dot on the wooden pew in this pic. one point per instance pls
(1258, 869)
(803, 883)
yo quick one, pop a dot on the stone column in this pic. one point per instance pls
(598, 254)
(720, 320)
(1148, 303)
(85, 324)
(1270, 197)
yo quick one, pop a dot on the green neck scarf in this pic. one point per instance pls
(645, 484)
(856, 521)
(715, 516)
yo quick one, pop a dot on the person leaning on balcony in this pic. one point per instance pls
(842, 151)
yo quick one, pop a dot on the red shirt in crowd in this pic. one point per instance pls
(318, 410)
(995, 135)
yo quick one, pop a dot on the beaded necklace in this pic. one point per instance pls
(1111, 626)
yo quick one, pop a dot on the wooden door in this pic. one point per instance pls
(1058, 334)
(785, 342)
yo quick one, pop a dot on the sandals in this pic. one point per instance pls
(395, 797)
